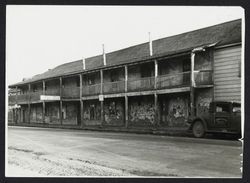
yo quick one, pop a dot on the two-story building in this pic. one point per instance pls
(154, 85)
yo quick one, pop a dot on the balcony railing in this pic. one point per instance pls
(21, 98)
(35, 96)
(12, 99)
(114, 87)
(141, 84)
(91, 89)
(173, 80)
(71, 92)
(52, 92)
(203, 77)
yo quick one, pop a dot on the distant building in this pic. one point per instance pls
(134, 88)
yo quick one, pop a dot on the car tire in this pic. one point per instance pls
(198, 129)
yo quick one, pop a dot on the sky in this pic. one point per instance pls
(42, 37)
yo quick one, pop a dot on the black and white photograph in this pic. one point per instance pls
(124, 91)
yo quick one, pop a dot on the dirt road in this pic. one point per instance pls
(57, 152)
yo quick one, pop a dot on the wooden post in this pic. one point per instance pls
(81, 108)
(156, 109)
(43, 115)
(60, 110)
(60, 107)
(126, 111)
(15, 110)
(101, 78)
(192, 84)
(44, 87)
(29, 92)
(101, 93)
(156, 73)
(126, 78)
(16, 96)
(81, 102)
(80, 77)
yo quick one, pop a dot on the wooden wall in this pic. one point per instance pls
(227, 74)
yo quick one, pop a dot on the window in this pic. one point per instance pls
(78, 82)
(236, 108)
(34, 88)
(114, 76)
(222, 108)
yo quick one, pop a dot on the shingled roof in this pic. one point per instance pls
(225, 33)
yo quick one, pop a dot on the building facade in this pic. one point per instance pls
(154, 85)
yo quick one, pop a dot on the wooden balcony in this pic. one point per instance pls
(35, 96)
(114, 87)
(71, 92)
(203, 77)
(91, 89)
(12, 99)
(141, 84)
(53, 92)
(173, 80)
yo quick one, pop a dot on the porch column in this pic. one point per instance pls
(192, 84)
(60, 107)
(16, 95)
(156, 73)
(101, 93)
(156, 109)
(43, 87)
(43, 116)
(14, 110)
(126, 78)
(126, 97)
(126, 111)
(81, 102)
(29, 92)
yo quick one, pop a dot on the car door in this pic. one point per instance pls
(222, 116)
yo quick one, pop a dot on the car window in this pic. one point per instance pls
(222, 108)
(236, 108)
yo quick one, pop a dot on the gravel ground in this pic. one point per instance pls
(26, 162)
(34, 152)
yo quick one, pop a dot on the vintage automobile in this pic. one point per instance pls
(222, 117)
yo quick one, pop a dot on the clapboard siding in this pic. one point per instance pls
(227, 83)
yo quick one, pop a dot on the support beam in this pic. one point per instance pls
(126, 111)
(43, 115)
(16, 95)
(29, 93)
(13, 116)
(43, 87)
(81, 102)
(126, 77)
(60, 87)
(101, 93)
(156, 121)
(156, 73)
(101, 78)
(81, 108)
(60, 107)
(28, 120)
(192, 84)
(102, 112)
(80, 78)
(60, 110)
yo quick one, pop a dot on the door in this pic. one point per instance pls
(222, 116)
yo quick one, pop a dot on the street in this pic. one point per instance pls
(61, 152)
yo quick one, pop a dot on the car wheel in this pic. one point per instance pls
(198, 129)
